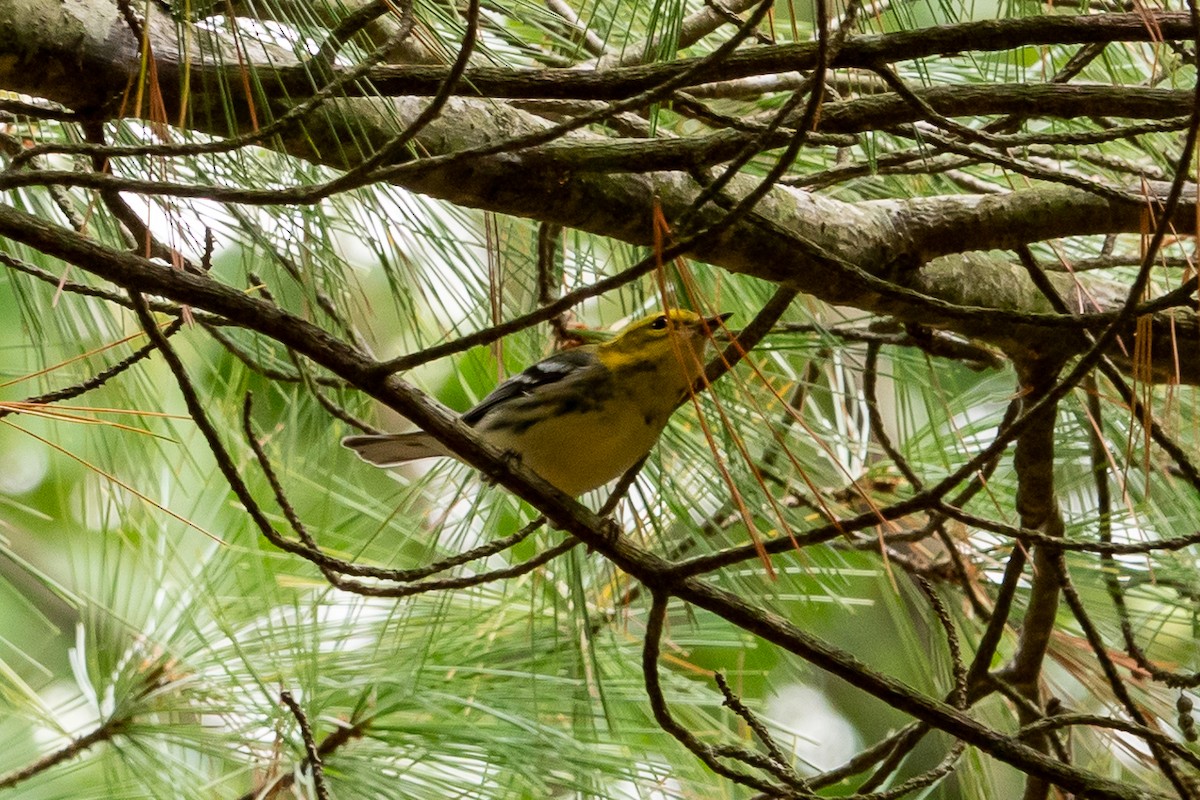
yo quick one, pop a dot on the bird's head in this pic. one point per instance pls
(675, 336)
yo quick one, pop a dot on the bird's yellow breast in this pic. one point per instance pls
(578, 451)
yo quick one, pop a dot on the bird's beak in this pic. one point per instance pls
(715, 322)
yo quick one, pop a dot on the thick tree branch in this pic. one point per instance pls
(114, 55)
(861, 246)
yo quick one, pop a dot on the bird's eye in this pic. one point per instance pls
(659, 323)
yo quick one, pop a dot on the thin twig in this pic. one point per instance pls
(313, 757)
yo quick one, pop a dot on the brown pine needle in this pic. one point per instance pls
(80, 357)
(50, 412)
(22, 405)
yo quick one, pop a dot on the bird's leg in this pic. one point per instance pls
(610, 530)
(510, 460)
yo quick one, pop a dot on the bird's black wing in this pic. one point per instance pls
(544, 373)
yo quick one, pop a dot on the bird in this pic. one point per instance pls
(583, 416)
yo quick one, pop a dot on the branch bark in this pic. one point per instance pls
(881, 257)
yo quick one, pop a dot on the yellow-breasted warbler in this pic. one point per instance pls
(582, 416)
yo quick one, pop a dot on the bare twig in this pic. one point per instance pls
(313, 757)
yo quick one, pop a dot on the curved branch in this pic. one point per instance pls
(860, 244)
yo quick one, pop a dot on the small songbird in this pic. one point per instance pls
(582, 416)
